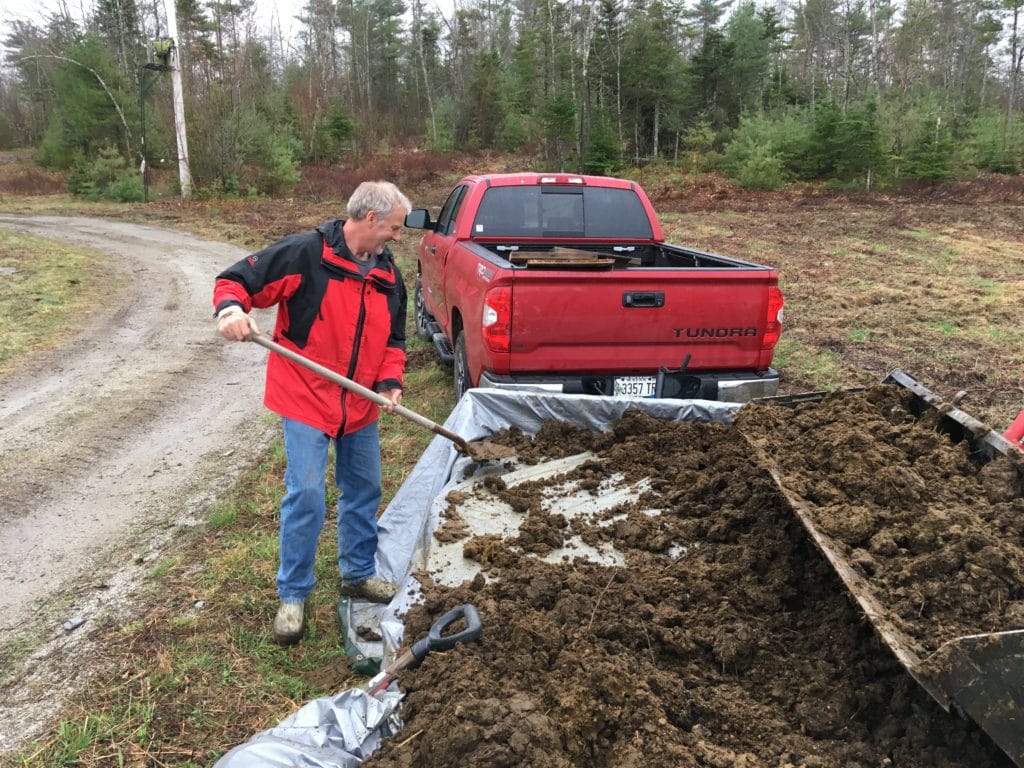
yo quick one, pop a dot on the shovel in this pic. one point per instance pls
(341, 731)
(478, 450)
(436, 640)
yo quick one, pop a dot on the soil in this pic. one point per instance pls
(109, 444)
(726, 639)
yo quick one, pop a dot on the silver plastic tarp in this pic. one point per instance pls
(341, 731)
(330, 732)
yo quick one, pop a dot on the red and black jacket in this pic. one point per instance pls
(328, 312)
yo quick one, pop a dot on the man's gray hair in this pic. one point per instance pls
(380, 196)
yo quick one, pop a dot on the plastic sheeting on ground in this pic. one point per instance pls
(330, 732)
(341, 731)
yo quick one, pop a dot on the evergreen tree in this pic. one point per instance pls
(712, 73)
(117, 23)
(860, 154)
(748, 69)
(705, 16)
(929, 154)
(655, 80)
(88, 115)
(484, 114)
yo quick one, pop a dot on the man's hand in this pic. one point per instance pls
(394, 396)
(234, 325)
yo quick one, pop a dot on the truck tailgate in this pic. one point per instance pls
(627, 321)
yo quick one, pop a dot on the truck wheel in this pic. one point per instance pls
(423, 318)
(461, 367)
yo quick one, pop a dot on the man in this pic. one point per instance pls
(341, 302)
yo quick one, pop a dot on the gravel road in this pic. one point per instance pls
(109, 445)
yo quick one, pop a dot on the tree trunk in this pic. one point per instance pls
(417, 23)
(655, 130)
(1015, 60)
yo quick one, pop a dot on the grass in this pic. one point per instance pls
(823, 367)
(46, 288)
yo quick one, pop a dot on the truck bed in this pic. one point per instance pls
(607, 256)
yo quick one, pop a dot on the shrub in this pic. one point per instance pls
(761, 170)
(280, 173)
(126, 188)
(991, 147)
(105, 176)
(786, 136)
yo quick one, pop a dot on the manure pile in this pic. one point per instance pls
(726, 639)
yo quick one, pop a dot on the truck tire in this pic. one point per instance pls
(461, 367)
(422, 317)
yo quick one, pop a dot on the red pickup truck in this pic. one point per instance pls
(565, 283)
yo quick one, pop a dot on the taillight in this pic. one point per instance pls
(773, 323)
(497, 319)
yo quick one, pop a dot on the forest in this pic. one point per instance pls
(853, 93)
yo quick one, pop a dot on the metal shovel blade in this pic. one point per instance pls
(485, 450)
(983, 675)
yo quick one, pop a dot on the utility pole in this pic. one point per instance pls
(184, 172)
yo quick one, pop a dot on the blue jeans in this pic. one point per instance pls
(304, 506)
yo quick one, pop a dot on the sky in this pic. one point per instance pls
(268, 12)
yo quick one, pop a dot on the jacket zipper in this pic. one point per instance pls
(353, 359)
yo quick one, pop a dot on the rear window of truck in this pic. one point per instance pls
(592, 212)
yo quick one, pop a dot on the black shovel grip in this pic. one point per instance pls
(436, 640)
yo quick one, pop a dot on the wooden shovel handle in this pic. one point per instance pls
(359, 389)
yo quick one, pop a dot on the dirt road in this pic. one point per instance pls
(109, 445)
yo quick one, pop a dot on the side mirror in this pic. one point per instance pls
(419, 218)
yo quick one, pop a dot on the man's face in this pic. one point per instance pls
(385, 229)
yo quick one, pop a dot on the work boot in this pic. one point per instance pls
(374, 589)
(290, 623)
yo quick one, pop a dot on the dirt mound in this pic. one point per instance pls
(726, 639)
(937, 534)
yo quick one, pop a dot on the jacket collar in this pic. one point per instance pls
(338, 258)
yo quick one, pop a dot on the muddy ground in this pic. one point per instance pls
(727, 639)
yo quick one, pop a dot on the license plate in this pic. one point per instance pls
(635, 386)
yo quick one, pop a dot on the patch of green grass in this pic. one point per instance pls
(75, 735)
(859, 334)
(222, 516)
(918, 234)
(15, 650)
(991, 288)
(164, 566)
(818, 369)
(946, 355)
(45, 287)
(1005, 339)
(54, 612)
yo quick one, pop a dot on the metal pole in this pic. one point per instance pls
(143, 88)
(142, 134)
